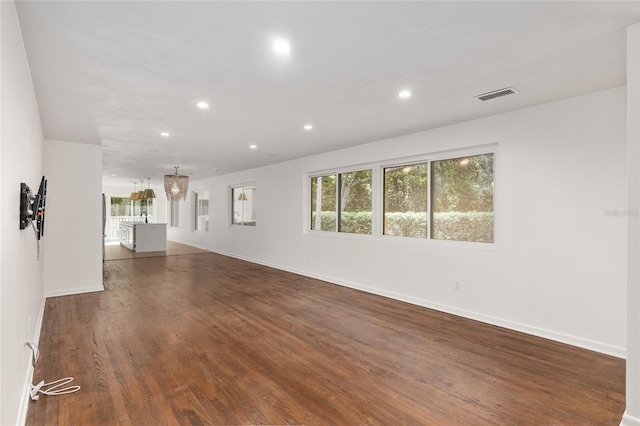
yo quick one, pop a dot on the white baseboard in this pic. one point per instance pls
(70, 291)
(580, 342)
(629, 420)
(194, 245)
(24, 399)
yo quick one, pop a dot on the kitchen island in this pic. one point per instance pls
(143, 237)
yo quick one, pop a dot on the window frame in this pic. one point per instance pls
(338, 175)
(309, 182)
(377, 195)
(340, 195)
(196, 210)
(244, 186)
(383, 194)
(432, 191)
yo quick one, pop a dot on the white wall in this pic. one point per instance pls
(21, 274)
(632, 412)
(559, 270)
(74, 218)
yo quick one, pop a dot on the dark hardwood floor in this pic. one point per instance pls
(118, 252)
(207, 339)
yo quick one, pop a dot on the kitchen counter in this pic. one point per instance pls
(143, 237)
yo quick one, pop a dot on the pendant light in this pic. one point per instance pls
(141, 192)
(148, 193)
(176, 186)
(134, 194)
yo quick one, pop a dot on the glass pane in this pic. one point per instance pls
(237, 197)
(244, 205)
(202, 211)
(355, 202)
(405, 200)
(323, 203)
(249, 207)
(463, 199)
(203, 207)
(120, 206)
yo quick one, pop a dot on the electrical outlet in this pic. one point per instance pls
(457, 285)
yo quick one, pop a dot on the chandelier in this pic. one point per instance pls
(176, 186)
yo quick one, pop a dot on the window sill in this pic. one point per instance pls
(467, 245)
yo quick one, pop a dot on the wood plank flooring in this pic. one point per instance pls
(207, 339)
(118, 252)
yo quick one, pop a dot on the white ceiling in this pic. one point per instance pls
(119, 73)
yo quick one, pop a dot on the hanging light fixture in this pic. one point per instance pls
(134, 194)
(141, 192)
(148, 193)
(176, 186)
(242, 197)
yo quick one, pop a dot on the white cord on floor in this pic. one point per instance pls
(35, 353)
(54, 390)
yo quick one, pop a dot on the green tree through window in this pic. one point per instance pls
(448, 199)
(342, 202)
(120, 206)
(405, 200)
(463, 199)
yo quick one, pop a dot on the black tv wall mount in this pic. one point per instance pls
(32, 208)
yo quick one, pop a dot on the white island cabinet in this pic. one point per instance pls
(143, 237)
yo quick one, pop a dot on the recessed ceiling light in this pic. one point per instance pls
(165, 134)
(281, 46)
(404, 94)
(202, 105)
(308, 127)
(253, 146)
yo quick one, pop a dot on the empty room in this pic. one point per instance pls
(301, 212)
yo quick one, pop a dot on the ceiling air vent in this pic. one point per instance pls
(496, 94)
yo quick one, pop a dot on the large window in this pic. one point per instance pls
(120, 206)
(201, 210)
(243, 200)
(439, 199)
(342, 202)
(124, 207)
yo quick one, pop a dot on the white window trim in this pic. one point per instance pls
(250, 184)
(195, 199)
(377, 196)
(337, 173)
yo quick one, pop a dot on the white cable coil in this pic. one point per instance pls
(56, 385)
(53, 390)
